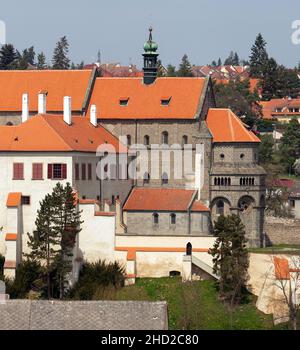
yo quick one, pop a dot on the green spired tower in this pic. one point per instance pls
(150, 60)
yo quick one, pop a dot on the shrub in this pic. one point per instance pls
(98, 280)
(28, 277)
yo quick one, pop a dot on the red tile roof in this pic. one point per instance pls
(269, 107)
(199, 206)
(145, 100)
(160, 199)
(225, 126)
(13, 198)
(57, 83)
(282, 270)
(11, 237)
(50, 133)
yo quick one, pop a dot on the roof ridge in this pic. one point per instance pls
(251, 135)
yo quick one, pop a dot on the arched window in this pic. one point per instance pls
(155, 218)
(165, 138)
(222, 181)
(184, 140)
(225, 181)
(146, 178)
(164, 178)
(173, 219)
(220, 207)
(9, 124)
(128, 140)
(222, 156)
(215, 181)
(219, 181)
(146, 140)
(189, 249)
(242, 156)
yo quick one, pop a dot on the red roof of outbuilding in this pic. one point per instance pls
(161, 199)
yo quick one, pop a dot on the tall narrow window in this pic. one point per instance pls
(89, 171)
(165, 138)
(173, 219)
(128, 140)
(37, 171)
(77, 177)
(83, 171)
(220, 207)
(184, 140)
(146, 140)
(18, 171)
(155, 218)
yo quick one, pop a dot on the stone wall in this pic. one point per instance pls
(282, 231)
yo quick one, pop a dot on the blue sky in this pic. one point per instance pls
(204, 29)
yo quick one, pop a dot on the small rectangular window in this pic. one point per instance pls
(18, 171)
(57, 171)
(124, 101)
(37, 171)
(25, 200)
(165, 101)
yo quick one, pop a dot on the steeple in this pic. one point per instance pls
(150, 60)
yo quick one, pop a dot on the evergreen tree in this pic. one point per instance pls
(270, 81)
(160, 69)
(232, 59)
(219, 62)
(266, 149)
(288, 83)
(60, 58)
(258, 57)
(41, 61)
(213, 63)
(66, 226)
(44, 243)
(8, 57)
(230, 258)
(171, 71)
(185, 69)
(237, 96)
(289, 149)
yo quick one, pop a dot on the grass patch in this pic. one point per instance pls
(277, 249)
(195, 305)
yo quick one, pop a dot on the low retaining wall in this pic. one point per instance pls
(282, 231)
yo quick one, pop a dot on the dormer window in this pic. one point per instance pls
(165, 101)
(124, 101)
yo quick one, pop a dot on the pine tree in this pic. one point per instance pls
(213, 63)
(185, 69)
(258, 57)
(44, 243)
(8, 57)
(230, 258)
(60, 58)
(289, 149)
(41, 61)
(236, 59)
(171, 71)
(270, 82)
(219, 62)
(66, 225)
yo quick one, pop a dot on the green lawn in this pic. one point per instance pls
(195, 305)
(277, 249)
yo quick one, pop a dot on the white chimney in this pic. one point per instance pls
(25, 108)
(93, 115)
(42, 103)
(67, 110)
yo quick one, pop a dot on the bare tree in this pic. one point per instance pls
(287, 273)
